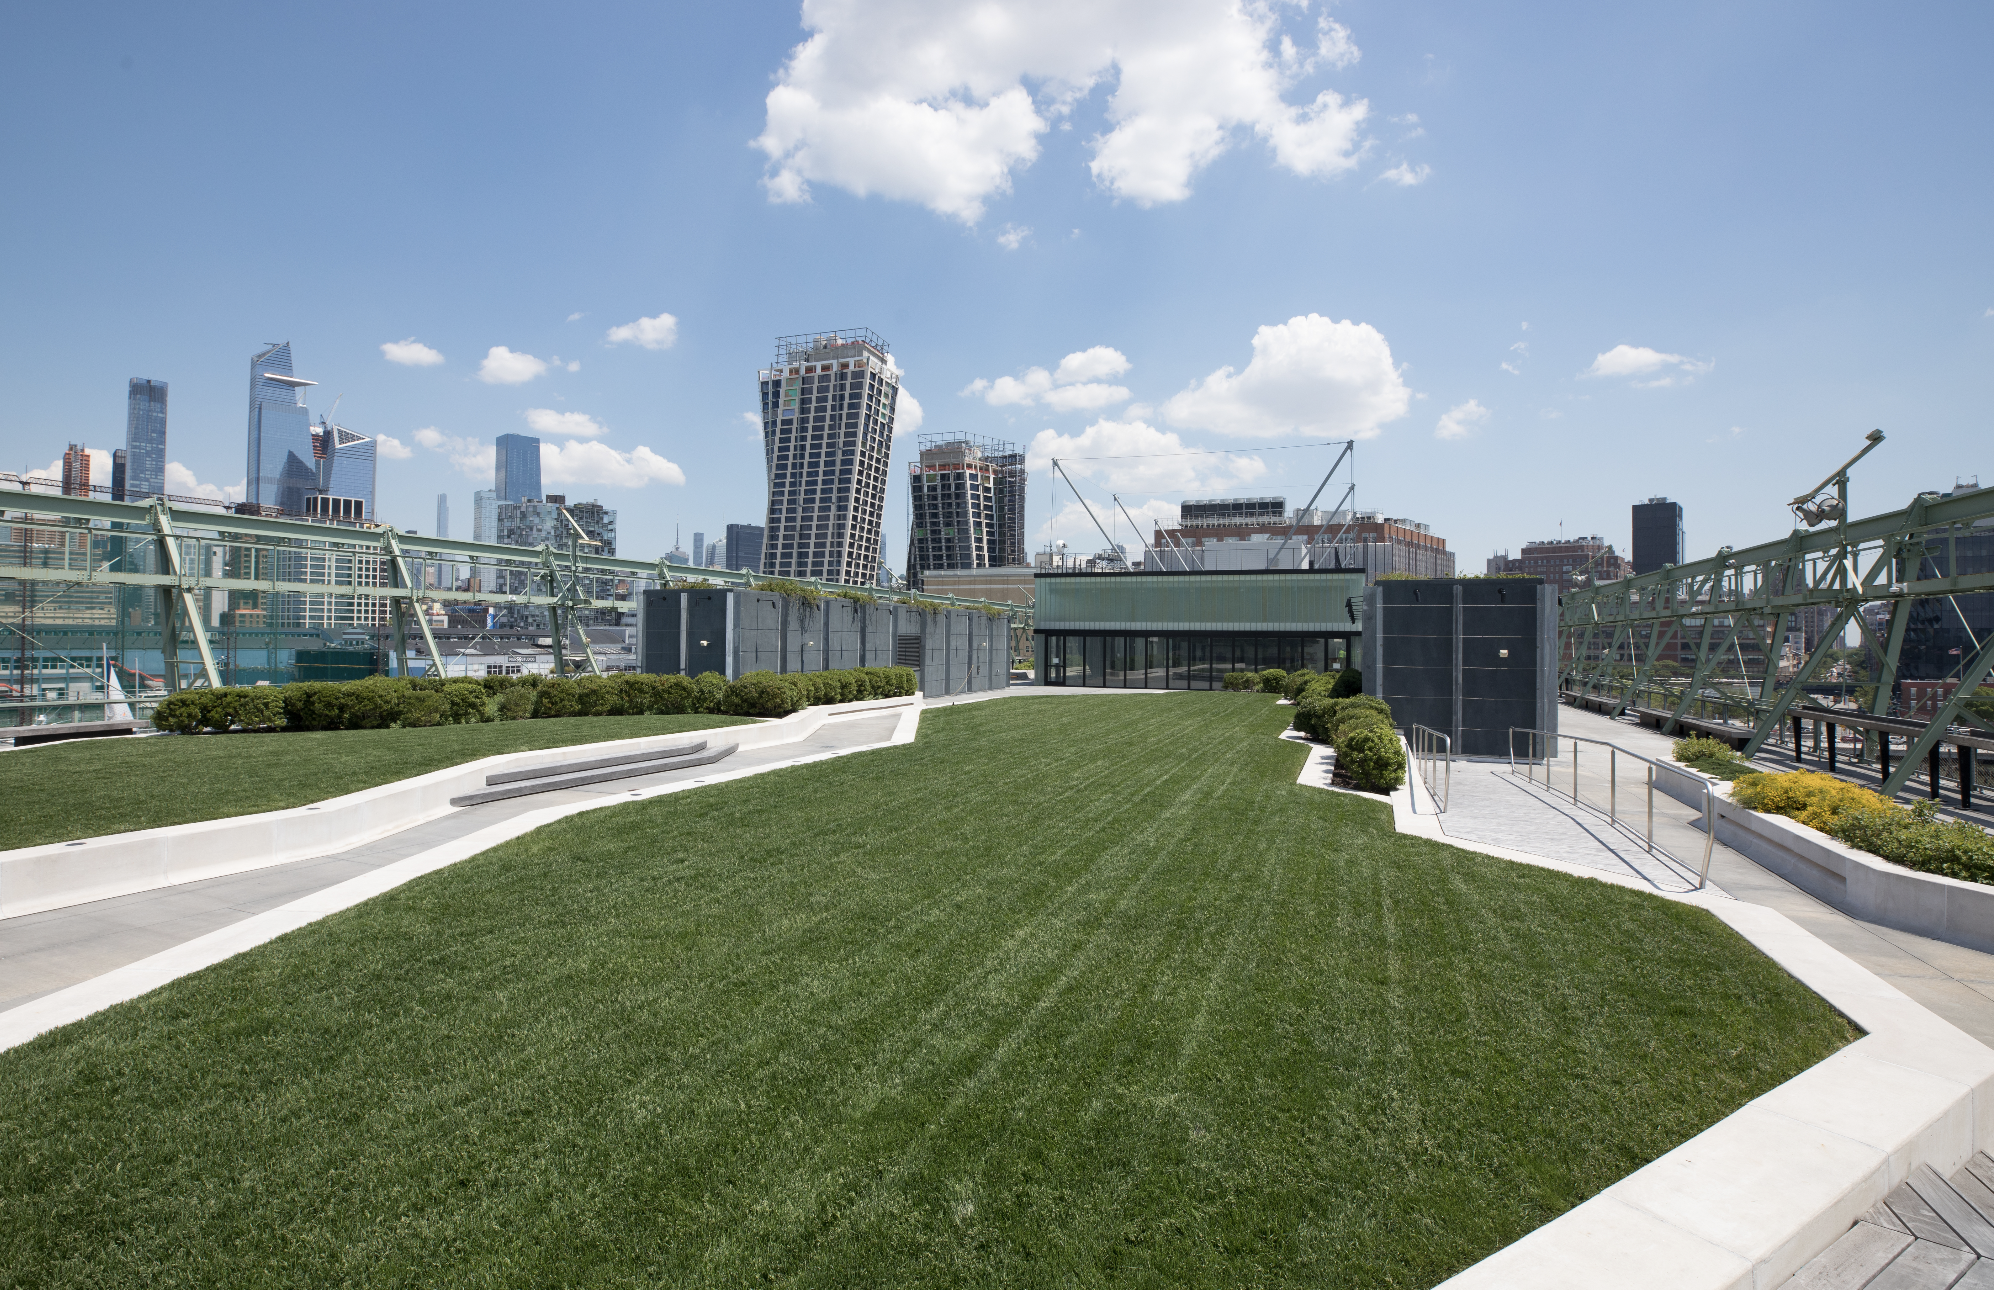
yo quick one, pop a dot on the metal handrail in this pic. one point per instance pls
(1612, 811)
(1428, 748)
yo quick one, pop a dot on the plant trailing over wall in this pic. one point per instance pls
(791, 588)
(857, 597)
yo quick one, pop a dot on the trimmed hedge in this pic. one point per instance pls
(1273, 681)
(378, 702)
(1242, 681)
(1371, 755)
(1296, 683)
(1348, 682)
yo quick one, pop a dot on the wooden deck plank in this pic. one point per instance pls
(1978, 1277)
(1975, 1193)
(1982, 1167)
(1862, 1252)
(1880, 1214)
(1961, 1217)
(1927, 1265)
(1922, 1219)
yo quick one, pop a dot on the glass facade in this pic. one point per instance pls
(1172, 661)
(347, 463)
(827, 428)
(145, 440)
(282, 469)
(518, 472)
(968, 505)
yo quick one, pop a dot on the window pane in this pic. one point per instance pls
(1117, 662)
(1313, 653)
(1155, 677)
(1097, 672)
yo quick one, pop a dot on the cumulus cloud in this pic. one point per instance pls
(907, 413)
(1406, 175)
(1309, 375)
(661, 332)
(503, 367)
(598, 464)
(1639, 360)
(180, 482)
(566, 425)
(1135, 457)
(1071, 522)
(1071, 387)
(410, 353)
(1461, 420)
(1013, 236)
(470, 456)
(575, 317)
(386, 445)
(942, 104)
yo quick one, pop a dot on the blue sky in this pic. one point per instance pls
(1779, 211)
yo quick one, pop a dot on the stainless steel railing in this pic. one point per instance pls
(1542, 750)
(1433, 755)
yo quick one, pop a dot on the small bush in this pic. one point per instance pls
(1313, 711)
(1242, 680)
(1921, 839)
(515, 704)
(1358, 709)
(1296, 683)
(1348, 682)
(708, 687)
(1711, 756)
(556, 697)
(423, 708)
(315, 705)
(1372, 757)
(179, 714)
(374, 703)
(672, 695)
(596, 696)
(467, 703)
(1809, 796)
(765, 694)
(1273, 681)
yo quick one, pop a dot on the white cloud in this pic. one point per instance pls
(1070, 523)
(1639, 360)
(503, 367)
(1136, 457)
(752, 421)
(1406, 175)
(1309, 375)
(575, 317)
(1522, 347)
(469, 456)
(180, 482)
(907, 413)
(100, 472)
(566, 425)
(386, 445)
(941, 104)
(1070, 388)
(598, 464)
(410, 353)
(1512, 369)
(1013, 236)
(661, 332)
(1461, 420)
(575, 366)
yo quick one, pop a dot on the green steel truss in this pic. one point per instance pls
(191, 541)
(1737, 604)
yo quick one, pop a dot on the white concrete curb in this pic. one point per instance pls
(1751, 1199)
(34, 879)
(19, 1025)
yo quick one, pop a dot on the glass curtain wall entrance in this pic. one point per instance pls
(1119, 661)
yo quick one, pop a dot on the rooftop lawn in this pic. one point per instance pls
(93, 787)
(1070, 991)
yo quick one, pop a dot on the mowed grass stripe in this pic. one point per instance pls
(1069, 991)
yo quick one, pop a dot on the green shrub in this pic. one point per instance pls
(1313, 711)
(1372, 757)
(1348, 682)
(708, 687)
(315, 705)
(596, 696)
(497, 685)
(374, 703)
(673, 695)
(1358, 709)
(423, 707)
(1242, 681)
(765, 694)
(259, 707)
(468, 703)
(556, 697)
(1920, 839)
(515, 704)
(179, 714)
(1296, 683)
(1273, 681)
(1711, 756)
(901, 681)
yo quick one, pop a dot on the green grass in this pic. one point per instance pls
(98, 786)
(1070, 991)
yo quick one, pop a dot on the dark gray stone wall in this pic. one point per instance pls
(1470, 659)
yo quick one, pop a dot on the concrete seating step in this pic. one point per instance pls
(598, 763)
(555, 782)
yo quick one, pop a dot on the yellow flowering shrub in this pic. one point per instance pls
(1809, 796)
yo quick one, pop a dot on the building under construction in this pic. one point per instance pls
(1225, 535)
(968, 506)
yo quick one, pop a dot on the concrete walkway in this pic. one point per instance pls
(42, 953)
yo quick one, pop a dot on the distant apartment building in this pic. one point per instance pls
(145, 442)
(484, 515)
(76, 471)
(1228, 534)
(533, 524)
(517, 468)
(828, 403)
(1567, 562)
(744, 547)
(699, 549)
(1657, 534)
(968, 497)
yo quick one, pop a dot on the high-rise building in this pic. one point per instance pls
(283, 461)
(968, 505)
(744, 547)
(596, 520)
(699, 549)
(716, 555)
(118, 471)
(76, 471)
(484, 515)
(828, 404)
(1657, 534)
(518, 471)
(347, 465)
(443, 515)
(145, 439)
